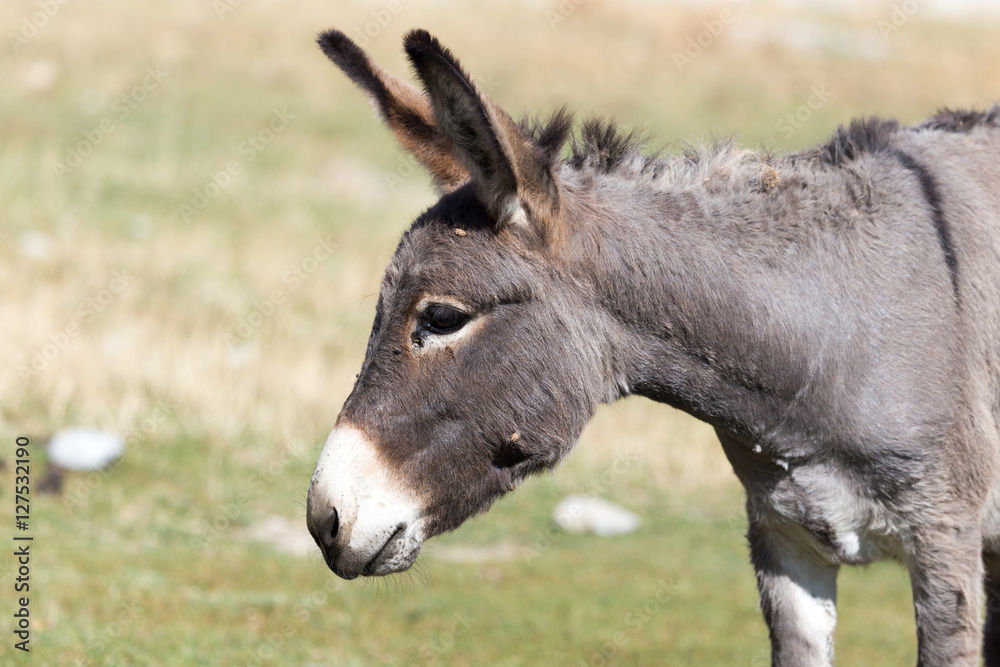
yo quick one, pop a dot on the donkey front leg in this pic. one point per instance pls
(946, 573)
(798, 595)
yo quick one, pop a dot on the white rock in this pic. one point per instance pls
(38, 245)
(140, 226)
(39, 75)
(238, 356)
(85, 448)
(580, 514)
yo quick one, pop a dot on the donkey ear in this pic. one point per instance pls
(512, 171)
(404, 108)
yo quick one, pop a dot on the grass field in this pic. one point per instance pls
(195, 208)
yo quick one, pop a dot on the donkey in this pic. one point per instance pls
(831, 313)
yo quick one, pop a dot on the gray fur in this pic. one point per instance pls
(832, 313)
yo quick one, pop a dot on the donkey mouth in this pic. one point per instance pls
(397, 554)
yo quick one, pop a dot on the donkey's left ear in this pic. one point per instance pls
(405, 109)
(512, 171)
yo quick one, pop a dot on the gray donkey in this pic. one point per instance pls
(833, 314)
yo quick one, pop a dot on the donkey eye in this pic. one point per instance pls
(441, 319)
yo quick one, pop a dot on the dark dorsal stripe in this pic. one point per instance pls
(933, 197)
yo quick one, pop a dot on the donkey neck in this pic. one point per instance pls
(691, 273)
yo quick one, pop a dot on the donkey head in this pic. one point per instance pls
(482, 365)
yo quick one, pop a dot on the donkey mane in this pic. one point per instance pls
(875, 135)
(863, 136)
(604, 146)
(962, 120)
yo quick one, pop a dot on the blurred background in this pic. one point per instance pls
(195, 209)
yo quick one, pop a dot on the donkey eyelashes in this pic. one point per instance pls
(442, 319)
(439, 321)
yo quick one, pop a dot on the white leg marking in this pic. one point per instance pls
(811, 600)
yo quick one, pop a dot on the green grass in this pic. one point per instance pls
(121, 582)
(125, 571)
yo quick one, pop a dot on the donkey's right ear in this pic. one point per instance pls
(404, 108)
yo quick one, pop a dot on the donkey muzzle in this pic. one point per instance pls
(362, 516)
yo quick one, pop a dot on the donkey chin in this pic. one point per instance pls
(364, 519)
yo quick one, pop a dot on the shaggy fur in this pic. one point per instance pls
(834, 314)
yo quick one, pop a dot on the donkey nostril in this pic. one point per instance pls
(324, 529)
(334, 522)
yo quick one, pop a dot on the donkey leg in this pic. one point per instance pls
(946, 574)
(991, 629)
(798, 595)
